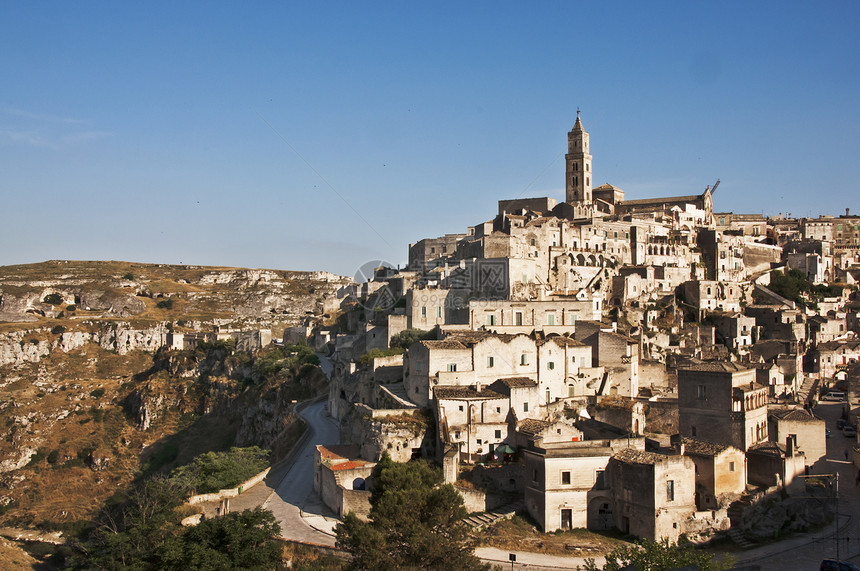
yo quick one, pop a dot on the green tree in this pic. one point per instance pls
(239, 540)
(414, 522)
(662, 555)
(409, 336)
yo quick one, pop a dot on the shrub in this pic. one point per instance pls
(71, 307)
(165, 304)
(97, 393)
(58, 330)
(53, 299)
(368, 357)
(128, 276)
(53, 456)
(214, 471)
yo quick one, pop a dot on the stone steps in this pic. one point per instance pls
(479, 521)
(738, 537)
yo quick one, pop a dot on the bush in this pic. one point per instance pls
(53, 456)
(368, 357)
(128, 276)
(214, 471)
(53, 299)
(97, 393)
(409, 336)
(165, 304)
(71, 308)
(58, 330)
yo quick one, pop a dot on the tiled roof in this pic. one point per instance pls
(714, 367)
(349, 465)
(701, 448)
(532, 426)
(443, 344)
(633, 456)
(795, 414)
(472, 337)
(562, 341)
(518, 382)
(769, 448)
(337, 451)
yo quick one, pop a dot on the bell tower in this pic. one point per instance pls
(578, 172)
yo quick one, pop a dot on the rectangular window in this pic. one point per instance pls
(461, 408)
(565, 478)
(491, 319)
(535, 476)
(670, 490)
(550, 365)
(693, 431)
(423, 311)
(701, 392)
(452, 367)
(438, 312)
(550, 318)
(731, 466)
(524, 359)
(498, 434)
(600, 479)
(418, 367)
(518, 318)
(525, 407)
(490, 362)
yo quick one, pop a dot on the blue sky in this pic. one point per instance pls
(322, 135)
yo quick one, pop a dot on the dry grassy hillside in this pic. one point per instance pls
(79, 367)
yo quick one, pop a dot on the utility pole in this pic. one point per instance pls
(837, 516)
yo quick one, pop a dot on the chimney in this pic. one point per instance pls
(789, 446)
(847, 212)
(681, 448)
(477, 387)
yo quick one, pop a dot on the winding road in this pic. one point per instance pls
(291, 481)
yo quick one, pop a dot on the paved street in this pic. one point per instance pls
(806, 554)
(293, 484)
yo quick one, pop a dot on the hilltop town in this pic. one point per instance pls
(649, 365)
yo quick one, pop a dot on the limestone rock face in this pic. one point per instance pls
(19, 460)
(145, 405)
(123, 305)
(18, 347)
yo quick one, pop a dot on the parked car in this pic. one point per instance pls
(833, 565)
(849, 431)
(834, 396)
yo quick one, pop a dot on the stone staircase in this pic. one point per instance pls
(479, 521)
(736, 535)
(809, 386)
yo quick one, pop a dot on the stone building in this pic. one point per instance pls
(340, 477)
(559, 366)
(721, 474)
(653, 494)
(721, 402)
(807, 432)
(565, 482)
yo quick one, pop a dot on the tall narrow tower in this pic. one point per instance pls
(578, 183)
